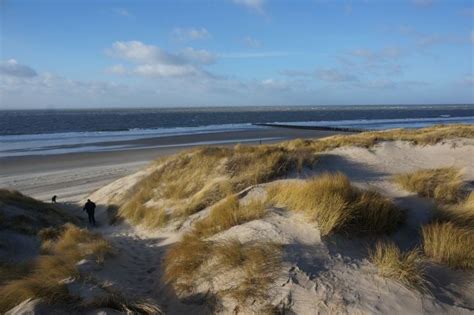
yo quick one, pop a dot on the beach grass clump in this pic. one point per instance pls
(450, 244)
(404, 267)
(195, 179)
(58, 263)
(183, 260)
(337, 206)
(423, 136)
(442, 184)
(259, 264)
(228, 213)
(194, 261)
(461, 214)
(137, 212)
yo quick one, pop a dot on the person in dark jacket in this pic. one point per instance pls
(89, 207)
(53, 200)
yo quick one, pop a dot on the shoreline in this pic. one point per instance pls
(73, 176)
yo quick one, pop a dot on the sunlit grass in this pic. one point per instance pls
(404, 267)
(195, 179)
(442, 184)
(194, 261)
(447, 243)
(335, 205)
(227, 214)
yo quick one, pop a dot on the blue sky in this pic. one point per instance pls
(80, 54)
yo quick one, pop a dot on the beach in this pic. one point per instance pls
(73, 176)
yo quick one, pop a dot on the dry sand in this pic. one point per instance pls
(332, 276)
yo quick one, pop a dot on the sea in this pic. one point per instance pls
(30, 132)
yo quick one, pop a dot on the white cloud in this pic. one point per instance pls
(137, 51)
(13, 68)
(187, 34)
(255, 5)
(164, 70)
(150, 60)
(47, 89)
(251, 42)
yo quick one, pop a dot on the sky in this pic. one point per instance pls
(173, 53)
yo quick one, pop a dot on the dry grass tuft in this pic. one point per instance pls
(461, 214)
(259, 263)
(195, 179)
(447, 243)
(405, 268)
(72, 245)
(229, 213)
(450, 239)
(442, 184)
(336, 205)
(183, 260)
(194, 261)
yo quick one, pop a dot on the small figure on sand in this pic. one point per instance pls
(89, 207)
(53, 200)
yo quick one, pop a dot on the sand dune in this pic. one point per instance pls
(315, 273)
(326, 276)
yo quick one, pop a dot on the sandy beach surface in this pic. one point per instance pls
(73, 176)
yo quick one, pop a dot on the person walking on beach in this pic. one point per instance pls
(89, 207)
(53, 200)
